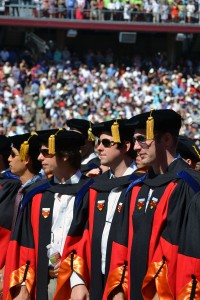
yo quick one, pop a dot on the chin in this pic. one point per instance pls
(104, 163)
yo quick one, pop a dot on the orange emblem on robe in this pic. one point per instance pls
(119, 207)
(153, 202)
(140, 203)
(45, 212)
(100, 204)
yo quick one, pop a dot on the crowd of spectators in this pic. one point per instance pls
(112, 10)
(94, 86)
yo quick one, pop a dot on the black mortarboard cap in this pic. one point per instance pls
(188, 149)
(84, 126)
(164, 120)
(62, 139)
(117, 128)
(26, 144)
(48, 131)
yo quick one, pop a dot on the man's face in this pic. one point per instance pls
(48, 161)
(108, 151)
(16, 165)
(197, 167)
(145, 149)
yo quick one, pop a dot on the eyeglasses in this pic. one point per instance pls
(106, 143)
(140, 139)
(13, 154)
(45, 153)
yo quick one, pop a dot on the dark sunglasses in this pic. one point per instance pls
(13, 154)
(140, 139)
(45, 153)
(106, 143)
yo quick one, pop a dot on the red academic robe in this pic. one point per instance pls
(85, 258)
(27, 254)
(8, 190)
(20, 258)
(155, 225)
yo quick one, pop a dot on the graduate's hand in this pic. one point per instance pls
(93, 172)
(54, 272)
(79, 292)
(21, 293)
(119, 296)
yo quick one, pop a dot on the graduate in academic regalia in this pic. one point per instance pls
(157, 206)
(44, 219)
(9, 185)
(23, 164)
(105, 253)
(89, 160)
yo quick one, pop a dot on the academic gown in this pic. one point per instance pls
(20, 257)
(154, 231)
(85, 258)
(9, 187)
(27, 251)
(76, 246)
(117, 239)
(188, 262)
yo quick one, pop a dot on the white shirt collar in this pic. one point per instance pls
(128, 171)
(72, 180)
(87, 159)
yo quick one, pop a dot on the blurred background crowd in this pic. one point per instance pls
(182, 11)
(43, 92)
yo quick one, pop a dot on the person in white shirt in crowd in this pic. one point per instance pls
(164, 11)
(111, 7)
(190, 8)
(127, 11)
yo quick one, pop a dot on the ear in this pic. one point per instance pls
(27, 160)
(127, 146)
(188, 161)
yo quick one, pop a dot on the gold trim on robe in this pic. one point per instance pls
(73, 263)
(187, 289)
(114, 279)
(17, 277)
(156, 281)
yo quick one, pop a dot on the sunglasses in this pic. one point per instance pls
(140, 139)
(106, 143)
(45, 153)
(13, 154)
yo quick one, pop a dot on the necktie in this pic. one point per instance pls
(16, 206)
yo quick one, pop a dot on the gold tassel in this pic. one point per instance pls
(196, 150)
(51, 143)
(91, 136)
(150, 127)
(24, 148)
(115, 132)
